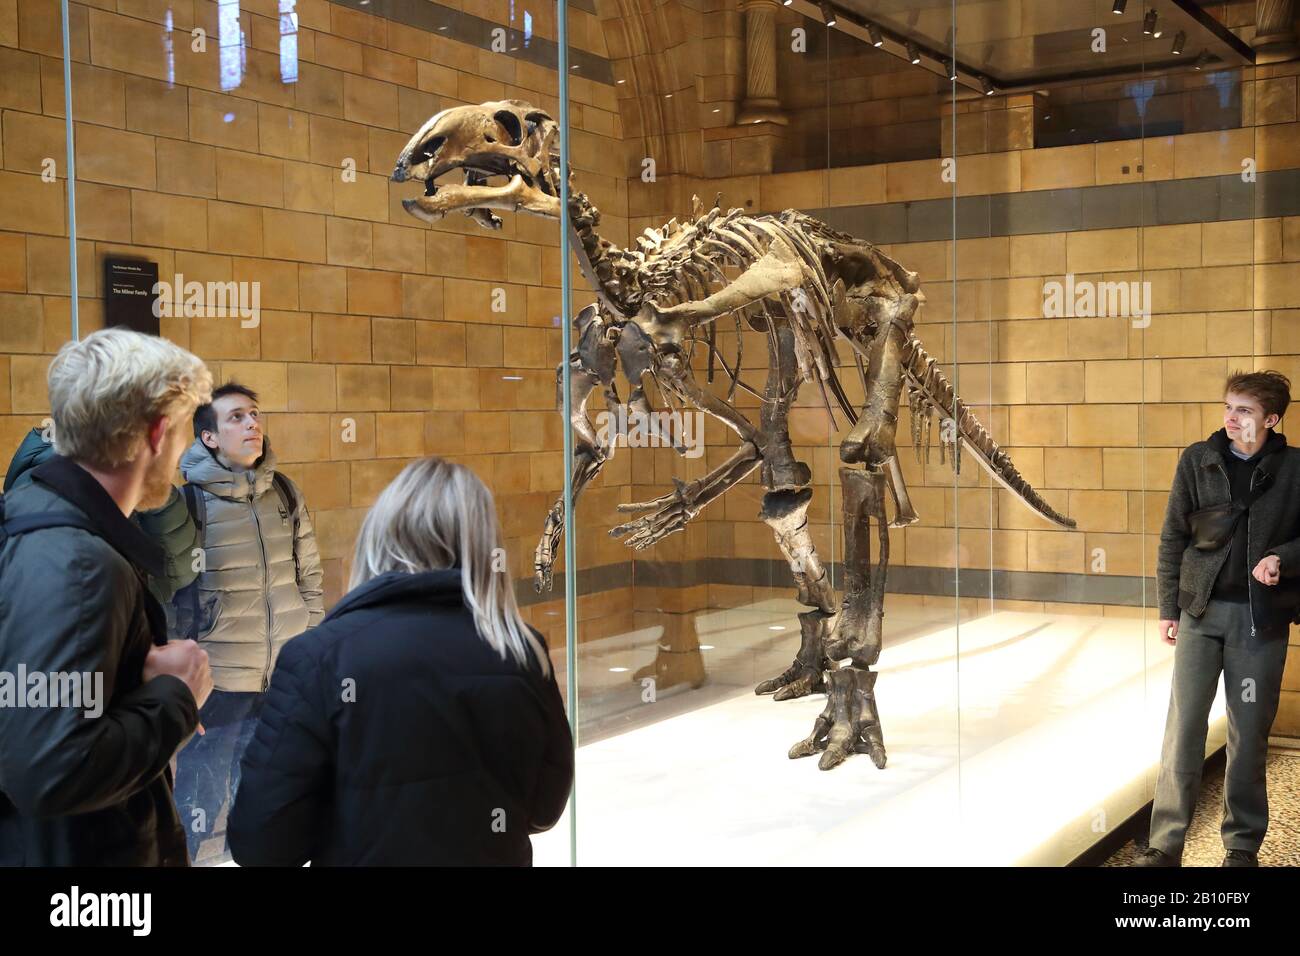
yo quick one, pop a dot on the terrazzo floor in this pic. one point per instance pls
(1205, 848)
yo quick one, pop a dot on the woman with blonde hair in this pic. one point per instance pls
(420, 723)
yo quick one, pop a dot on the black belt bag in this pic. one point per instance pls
(1212, 527)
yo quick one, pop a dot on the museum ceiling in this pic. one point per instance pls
(1031, 44)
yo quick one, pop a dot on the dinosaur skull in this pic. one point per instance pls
(509, 138)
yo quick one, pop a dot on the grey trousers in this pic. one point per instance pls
(1217, 642)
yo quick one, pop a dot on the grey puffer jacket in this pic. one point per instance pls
(261, 583)
(1186, 576)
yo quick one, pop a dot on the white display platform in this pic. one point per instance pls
(1024, 749)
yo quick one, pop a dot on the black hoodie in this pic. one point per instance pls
(1234, 577)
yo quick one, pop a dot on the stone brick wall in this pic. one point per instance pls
(368, 315)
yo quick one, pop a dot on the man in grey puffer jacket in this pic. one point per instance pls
(259, 586)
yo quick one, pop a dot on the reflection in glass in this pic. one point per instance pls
(230, 37)
(288, 42)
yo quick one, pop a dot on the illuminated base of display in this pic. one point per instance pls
(1026, 750)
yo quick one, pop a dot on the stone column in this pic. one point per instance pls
(761, 104)
(1275, 36)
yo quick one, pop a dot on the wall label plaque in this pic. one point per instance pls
(130, 293)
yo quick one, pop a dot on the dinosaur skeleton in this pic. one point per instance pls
(807, 288)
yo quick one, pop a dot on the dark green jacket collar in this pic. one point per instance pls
(79, 488)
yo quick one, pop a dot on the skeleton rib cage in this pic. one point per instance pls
(681, 262)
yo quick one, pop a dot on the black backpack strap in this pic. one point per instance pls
(290, 501)
(194, 503)
(197, 509)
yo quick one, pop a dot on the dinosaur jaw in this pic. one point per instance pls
(476, 199)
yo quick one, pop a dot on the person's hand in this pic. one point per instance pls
(1169, 632)
(183, 659)
(1269, 570)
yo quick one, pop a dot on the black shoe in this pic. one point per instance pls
(1240, 858)
(1154, 857)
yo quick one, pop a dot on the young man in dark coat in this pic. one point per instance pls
(84, 777)
(1227, 610)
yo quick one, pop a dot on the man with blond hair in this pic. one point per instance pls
(84, 777)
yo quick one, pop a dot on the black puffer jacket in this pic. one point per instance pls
(79, 789)
(392, 734)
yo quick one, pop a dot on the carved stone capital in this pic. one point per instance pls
(761, 104)
(1275, 36)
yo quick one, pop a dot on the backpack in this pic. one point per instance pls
(198, 512)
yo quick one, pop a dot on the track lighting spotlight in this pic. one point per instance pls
(913, 53)
(952, 70)
(1118, 6)
(1180, 40)
(1149, 23)
(828, 14)
(1202, 61)
(877, 38)
(989, 88)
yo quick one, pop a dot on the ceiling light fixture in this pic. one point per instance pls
(1202, 60)
(1149, 23)
(913, 53)
(1118, 7)
(877, 38)
(828, 14)
(1179, 42)
(989, 88)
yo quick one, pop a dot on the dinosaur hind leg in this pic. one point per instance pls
(851, 723)
(786, 512)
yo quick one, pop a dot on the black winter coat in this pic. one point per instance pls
(78, 789)
(170, 526)
(392, 734)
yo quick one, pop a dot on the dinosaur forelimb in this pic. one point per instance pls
(585, 467)
(673, 511)
(590, 450)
